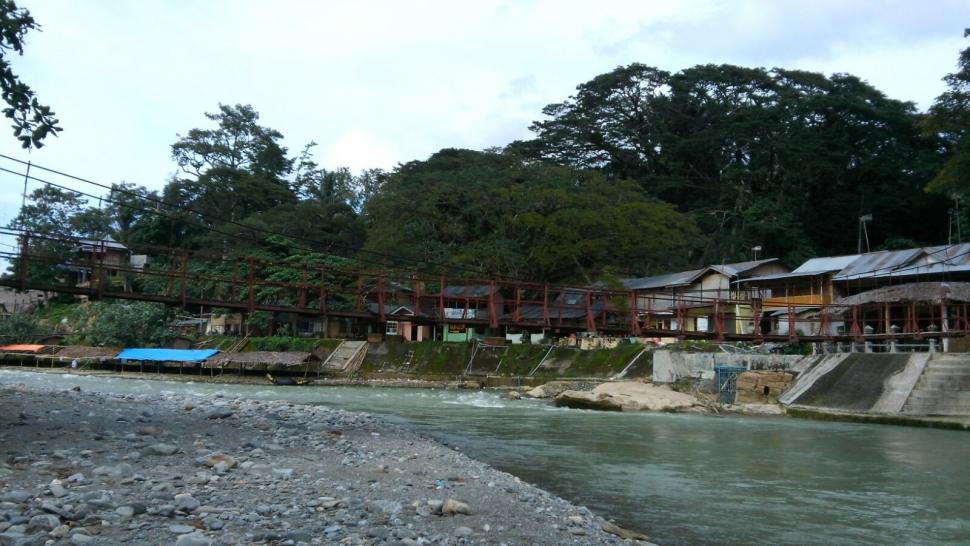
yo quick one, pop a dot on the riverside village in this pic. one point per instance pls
(704, 302)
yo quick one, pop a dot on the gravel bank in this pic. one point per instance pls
(80, 468)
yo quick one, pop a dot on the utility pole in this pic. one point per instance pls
(863, 232)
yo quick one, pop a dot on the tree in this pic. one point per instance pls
(949, 119)
(32, 121)
(234, 171)
(238, 144)
(19, 327)
(753, 154)
(120, 324)
(490, 213)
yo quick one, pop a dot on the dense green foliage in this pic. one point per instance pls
(498, 214)
(128, 324)
(19, 327)
(783, 159)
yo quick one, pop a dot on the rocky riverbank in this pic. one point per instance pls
(83, 468)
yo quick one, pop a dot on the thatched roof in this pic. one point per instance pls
(927, 293)
(80, 351)
(252, 359)
(915, 292)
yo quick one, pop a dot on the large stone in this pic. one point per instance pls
(220, 458)
(554, 388)
(625, 534)
(161, 449)
(451, 507)
(186, 502)
(43, 522)
(627, 396)
(193, 539)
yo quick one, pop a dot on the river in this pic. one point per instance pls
(683, 479)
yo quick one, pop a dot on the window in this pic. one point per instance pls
(391, 329)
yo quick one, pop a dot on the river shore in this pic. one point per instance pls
(84, 468)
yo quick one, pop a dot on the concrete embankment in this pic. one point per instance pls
(902, 386)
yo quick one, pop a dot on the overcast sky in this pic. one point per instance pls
(377, 83)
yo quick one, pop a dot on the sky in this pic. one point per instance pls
(380, 83)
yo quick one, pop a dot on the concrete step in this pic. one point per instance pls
(961, 383)
(948, 365)
(946, 397)
(942, 371)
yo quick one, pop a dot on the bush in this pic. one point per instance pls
(19, 327)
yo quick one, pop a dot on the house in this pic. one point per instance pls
(94, 254)
(695, 300)
(476, 302)
(398, 322)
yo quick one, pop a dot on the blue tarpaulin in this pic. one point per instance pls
(166, 355)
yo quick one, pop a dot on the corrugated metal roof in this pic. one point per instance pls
(660, 281)
(166, 355)
(735, 269)
(826, 264)
(683, 278)
(877, 263)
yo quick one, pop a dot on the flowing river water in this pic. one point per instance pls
(683, 479)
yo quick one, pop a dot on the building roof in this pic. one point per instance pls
(21, 348)
(826, 265)
(681, 278)
(80, 351)
(740, 268)
(90, 245)
(684, 278)
(920, 292)
(166, 355)
(252, 358)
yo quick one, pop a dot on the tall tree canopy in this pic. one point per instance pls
(497, 214)
(783, 159)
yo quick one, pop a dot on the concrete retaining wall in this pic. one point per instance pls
(858, 382)
(669, 366)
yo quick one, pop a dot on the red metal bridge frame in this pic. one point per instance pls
(599, 314)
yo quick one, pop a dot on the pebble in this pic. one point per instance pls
(193, 539)
(186, 502)
(286, 457)
(161, 449)
(179, 529)
(283, 473)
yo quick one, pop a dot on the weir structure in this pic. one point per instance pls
(317, 288)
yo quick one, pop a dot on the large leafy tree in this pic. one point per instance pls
(491, 213)
(32, 121)
(754, 154)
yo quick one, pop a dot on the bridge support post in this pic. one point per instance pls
(22, 264)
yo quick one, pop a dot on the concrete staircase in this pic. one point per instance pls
(944, 387)
(347, 357)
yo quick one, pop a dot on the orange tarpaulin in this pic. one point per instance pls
(22, 348)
